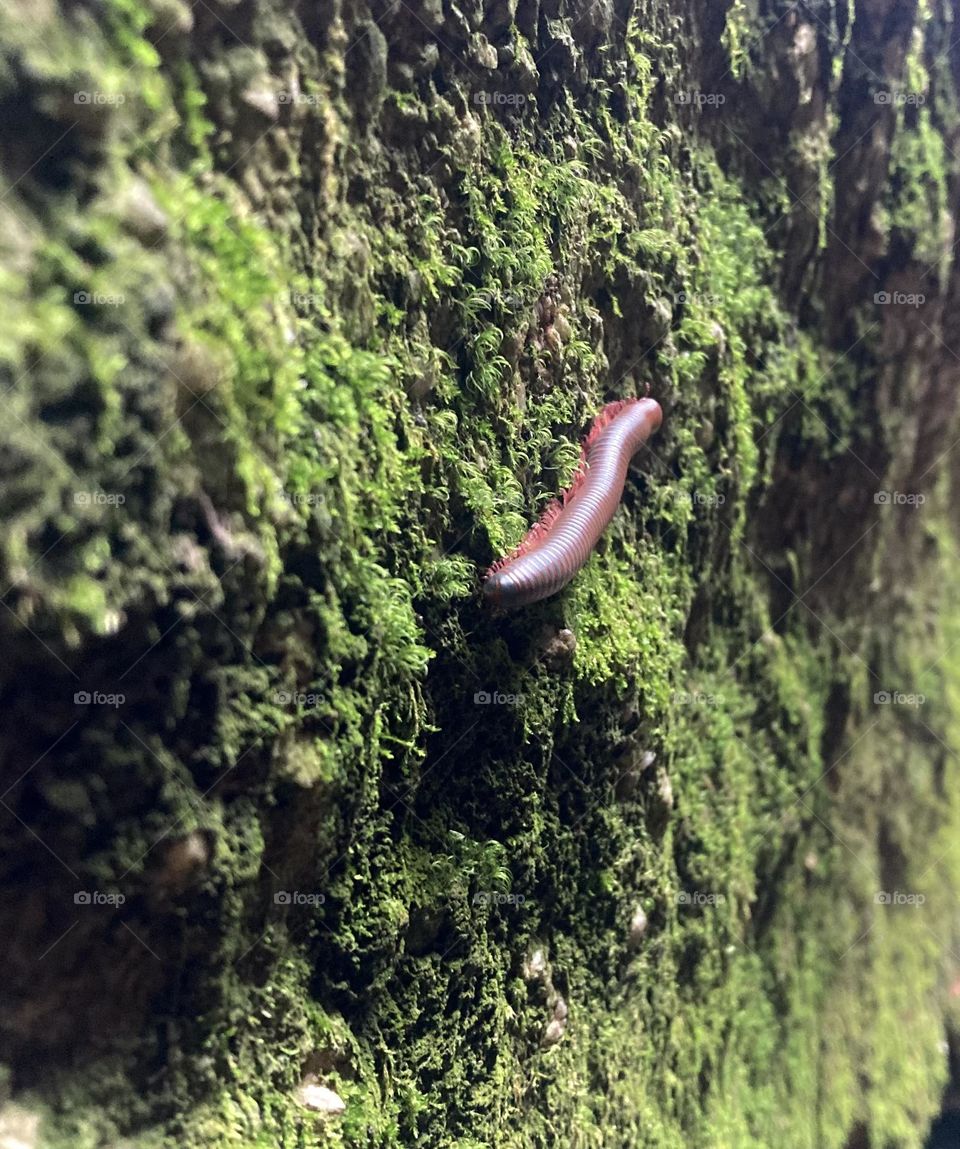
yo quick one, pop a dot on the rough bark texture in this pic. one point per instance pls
(305, 307)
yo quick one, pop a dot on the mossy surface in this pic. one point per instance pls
(299, 335)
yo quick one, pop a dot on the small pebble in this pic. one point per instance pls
(719, 337)
(184, 858)
(320, 1099)
(552, 1034)
(558, 647)
(535, 966)
(262, 99)
(665, 788)
(560, 1010)
(638, 927)
(557, 1025)
(142, 214)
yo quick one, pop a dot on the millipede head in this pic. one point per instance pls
(501, 589)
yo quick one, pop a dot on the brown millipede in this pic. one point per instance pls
(559, 544)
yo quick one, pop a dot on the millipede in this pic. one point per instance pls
(560, 542)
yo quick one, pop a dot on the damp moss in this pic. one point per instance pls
(326, 420)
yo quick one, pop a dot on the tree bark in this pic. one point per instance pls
(306, 309)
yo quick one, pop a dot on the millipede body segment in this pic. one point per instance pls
(557, 546)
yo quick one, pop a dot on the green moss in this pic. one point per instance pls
(320, 452)
(736, 37)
